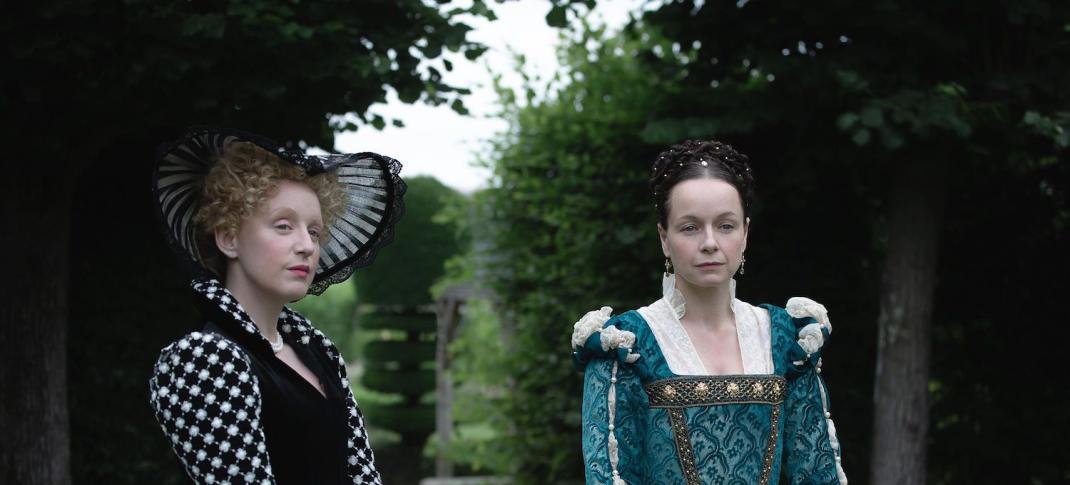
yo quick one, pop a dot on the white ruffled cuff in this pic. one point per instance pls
(800, 307)
(589, 324)
(615, 338)
(811, 339)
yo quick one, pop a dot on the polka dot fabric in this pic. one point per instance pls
(208, 402)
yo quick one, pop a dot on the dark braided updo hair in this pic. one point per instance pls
(684, 161)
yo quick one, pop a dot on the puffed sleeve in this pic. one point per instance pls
(611, 410)
(611, 394)
(207, 400)
(811, 448)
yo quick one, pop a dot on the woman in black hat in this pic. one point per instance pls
(259, 395)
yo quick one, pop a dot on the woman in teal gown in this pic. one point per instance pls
(700, 387)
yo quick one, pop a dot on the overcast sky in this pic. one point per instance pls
(435, 140)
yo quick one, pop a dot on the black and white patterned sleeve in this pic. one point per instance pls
(207, 400)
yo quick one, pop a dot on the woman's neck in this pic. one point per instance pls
(265, 314)
(707, 306)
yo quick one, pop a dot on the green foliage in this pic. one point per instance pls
(332, 313)
(571, 222)
(575, 230)
(1056, 127)
(753, 69)
(404, 382)
(421, 322)
(868, 88)
(478, 351)
(405, 269)
(404, 418)
(827, 100)
(396, 366)
(397, 292)
(399, 351)
(910, 115)
(112, 80)
(275, 68)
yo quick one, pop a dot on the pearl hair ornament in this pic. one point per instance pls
(707, 155)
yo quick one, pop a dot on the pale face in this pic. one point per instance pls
(275, 252)
(706, 233)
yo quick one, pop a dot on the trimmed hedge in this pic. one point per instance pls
(402, 418)
(418, 322)
(399, 351)
(405, 382)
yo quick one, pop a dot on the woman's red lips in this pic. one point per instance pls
(302, 269)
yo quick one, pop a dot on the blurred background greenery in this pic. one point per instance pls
(853, 113)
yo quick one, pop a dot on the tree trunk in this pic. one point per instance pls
(901, 405)
(34, 426)
(448, 312)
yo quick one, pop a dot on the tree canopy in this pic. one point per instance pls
(90, 90)
(88, 71)
(832, 102)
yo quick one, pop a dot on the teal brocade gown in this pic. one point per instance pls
(645, 424)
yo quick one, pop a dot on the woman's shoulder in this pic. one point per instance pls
(599, 333)
(604, 321)
(201, 352)
(197, 368)
(629, 320)
(800, 329)
(798, 313)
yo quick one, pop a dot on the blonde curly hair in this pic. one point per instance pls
(243, 178)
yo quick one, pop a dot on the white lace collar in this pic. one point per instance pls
(752, 331)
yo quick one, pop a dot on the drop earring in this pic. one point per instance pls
(668, 267)
(742, 263)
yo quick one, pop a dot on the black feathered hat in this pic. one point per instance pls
(373, 199)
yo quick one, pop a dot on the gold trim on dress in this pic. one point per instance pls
(770, 447)
(678, 422)
(677, 393)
